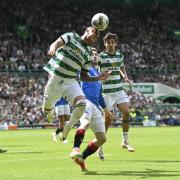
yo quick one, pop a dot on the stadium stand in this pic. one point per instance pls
(146, 35)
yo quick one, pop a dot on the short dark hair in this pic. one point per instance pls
(93, 49)
(110, 36)
(90, 27)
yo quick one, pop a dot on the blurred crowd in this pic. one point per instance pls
(21, 100)
(145, 32)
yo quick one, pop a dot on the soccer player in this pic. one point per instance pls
(92, 116)
(112, 59)
(70, 53)
(62, 110)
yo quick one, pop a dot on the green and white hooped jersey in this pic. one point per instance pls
(114, 63)
(73, 56)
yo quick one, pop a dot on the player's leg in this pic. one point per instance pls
(84, 124)
(59, 111)
(75, 95)
(51, 95)
(100, 152)
(79, 107)
(64, 118)
(79, 136)
(64, 115)
(108, 121)
(90, 149)
(94, 145)
(59, 129)
(61, 123)
(109, 101)
(124, 108)
(67, 115)
(98, 127)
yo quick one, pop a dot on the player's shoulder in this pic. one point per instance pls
(119, 54)
(103, 54)
(71, 35)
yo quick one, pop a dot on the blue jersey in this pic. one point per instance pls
(61, 101)
(93, 90)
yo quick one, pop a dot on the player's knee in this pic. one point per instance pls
(80, 103)
(84, 125)
(126, 113)
(102, 140)
(80, 107)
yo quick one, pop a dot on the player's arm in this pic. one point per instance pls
(84, 76)
(124, 75)
(107, 113)
(55, 45)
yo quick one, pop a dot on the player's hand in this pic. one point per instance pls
(129, 82)
(108, 114)
(104, 75)
(51, 52)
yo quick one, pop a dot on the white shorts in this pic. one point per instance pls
(116, 98)
(57, 87)
(62, 110)
(94, 116)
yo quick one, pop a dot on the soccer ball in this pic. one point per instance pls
(100, 21)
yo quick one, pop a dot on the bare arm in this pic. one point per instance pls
(85, 77)
(123, 72)
(124, 75)
(55, 45)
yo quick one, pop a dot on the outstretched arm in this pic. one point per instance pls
(85, 77)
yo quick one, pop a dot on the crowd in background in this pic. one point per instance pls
(152, 54)
(21, 100)
(144, 35)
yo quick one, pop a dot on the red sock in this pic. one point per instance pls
(79, 137)
(90, 149)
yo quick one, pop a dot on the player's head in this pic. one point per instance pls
(110, 41)
(91, 35)
(95, 56)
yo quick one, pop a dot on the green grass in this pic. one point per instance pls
(33, 156)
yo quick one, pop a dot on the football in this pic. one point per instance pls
(100, 21)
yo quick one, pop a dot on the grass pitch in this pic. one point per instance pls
(33, 156)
